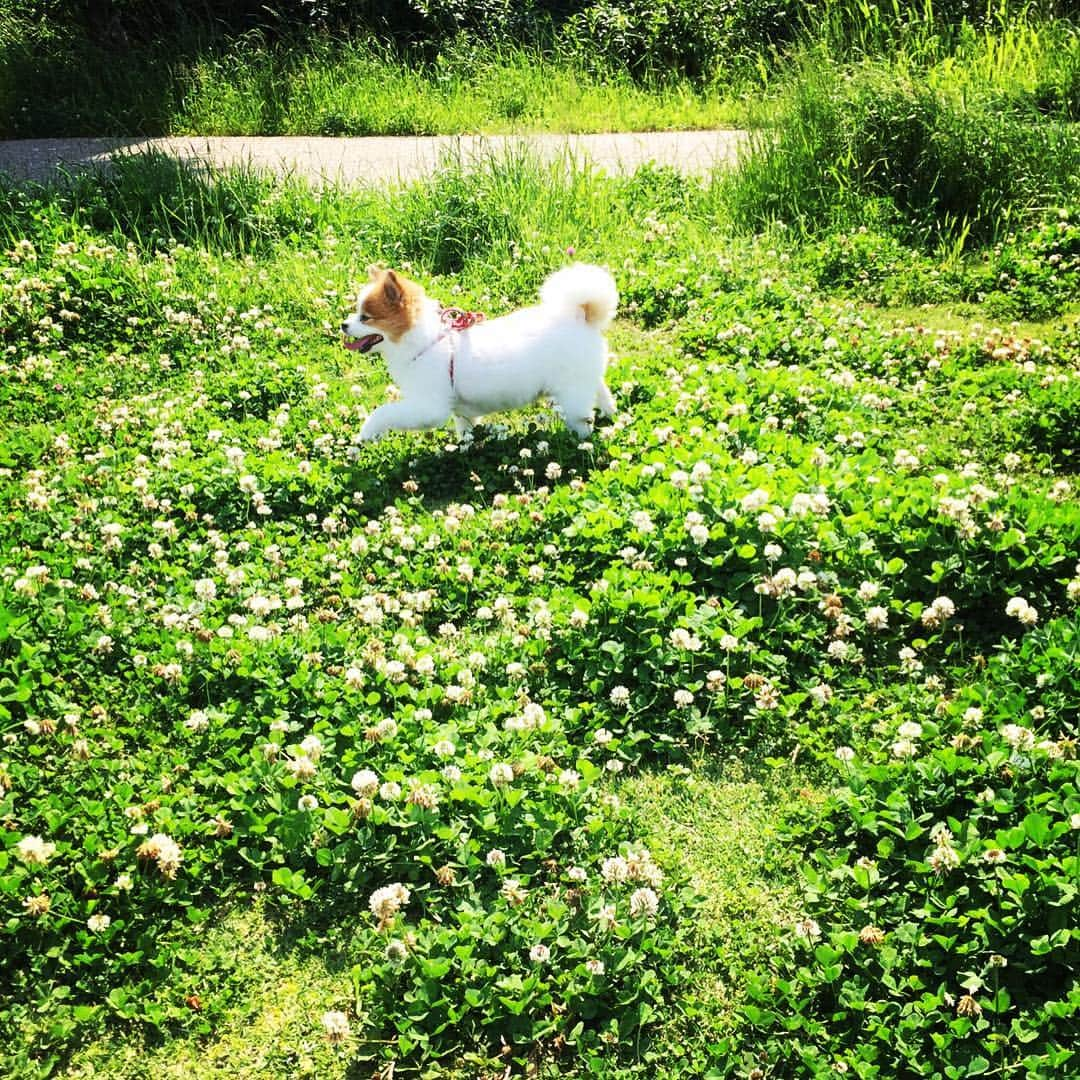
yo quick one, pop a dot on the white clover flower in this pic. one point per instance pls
(513, 892)
(606, 917)
(501, 774)
(205, 589)
(681, 638)
(943, 859)
(1019, 738)
(387, 901)
(198, 721)
(97, 923)
(301, 766)
(164, 851)
(910, 663)
(844, 754)
(365, 783)
(1020, 609)
(496, 859)
(33, 851)
(390, 791)
(311, 746)
(336, 1025)
(944, 607)
(307, 803)
(699, 534)
(619, 697)
(940, 833)
(539, 954)
(644, 902)
(755, 500)
(426, 796)
(615, 870)
(533, 715)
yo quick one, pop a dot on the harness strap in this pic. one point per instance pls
(455, 321)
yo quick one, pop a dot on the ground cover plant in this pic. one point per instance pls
(738, 740)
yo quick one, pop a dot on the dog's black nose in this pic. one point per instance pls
(344, 327)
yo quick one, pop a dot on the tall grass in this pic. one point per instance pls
(676, 64)
(491, 211)
(957, 138)
(361, 88)
(318, 86)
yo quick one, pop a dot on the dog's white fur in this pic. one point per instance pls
(556, 350)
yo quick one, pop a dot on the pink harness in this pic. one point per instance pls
(454, 321)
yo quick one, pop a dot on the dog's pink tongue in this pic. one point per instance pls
(362, 344)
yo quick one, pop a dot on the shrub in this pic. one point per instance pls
(848, 139)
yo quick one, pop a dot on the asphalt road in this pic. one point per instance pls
(347, 161)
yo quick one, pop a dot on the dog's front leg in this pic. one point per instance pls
(404, 416)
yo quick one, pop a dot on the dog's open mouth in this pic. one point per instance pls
(362, 344)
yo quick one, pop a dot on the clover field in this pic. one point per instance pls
(740, 741)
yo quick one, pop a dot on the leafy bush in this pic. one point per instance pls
(937, 939)
(848, 140)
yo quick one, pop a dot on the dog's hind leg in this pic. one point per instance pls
(463, 424)
(577, 411)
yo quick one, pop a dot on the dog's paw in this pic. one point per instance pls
(371, 432)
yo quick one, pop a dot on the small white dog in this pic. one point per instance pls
(450, 363)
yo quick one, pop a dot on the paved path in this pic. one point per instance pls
(381, 159)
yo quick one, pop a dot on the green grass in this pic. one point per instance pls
(55, 79)
(324, 87)
(717, 823)
(720, 822)
(264, 996)
(839, 417)
(362, 90)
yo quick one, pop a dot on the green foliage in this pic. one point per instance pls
(850, 140)
(938, 892)
(403, 694)
(440, 66)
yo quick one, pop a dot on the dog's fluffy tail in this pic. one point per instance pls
(582, 289)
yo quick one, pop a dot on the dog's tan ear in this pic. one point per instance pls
(392, 288)
(373, 272)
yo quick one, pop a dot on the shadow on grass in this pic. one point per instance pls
(511, 463)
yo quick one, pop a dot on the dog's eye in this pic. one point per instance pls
(364, 318)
